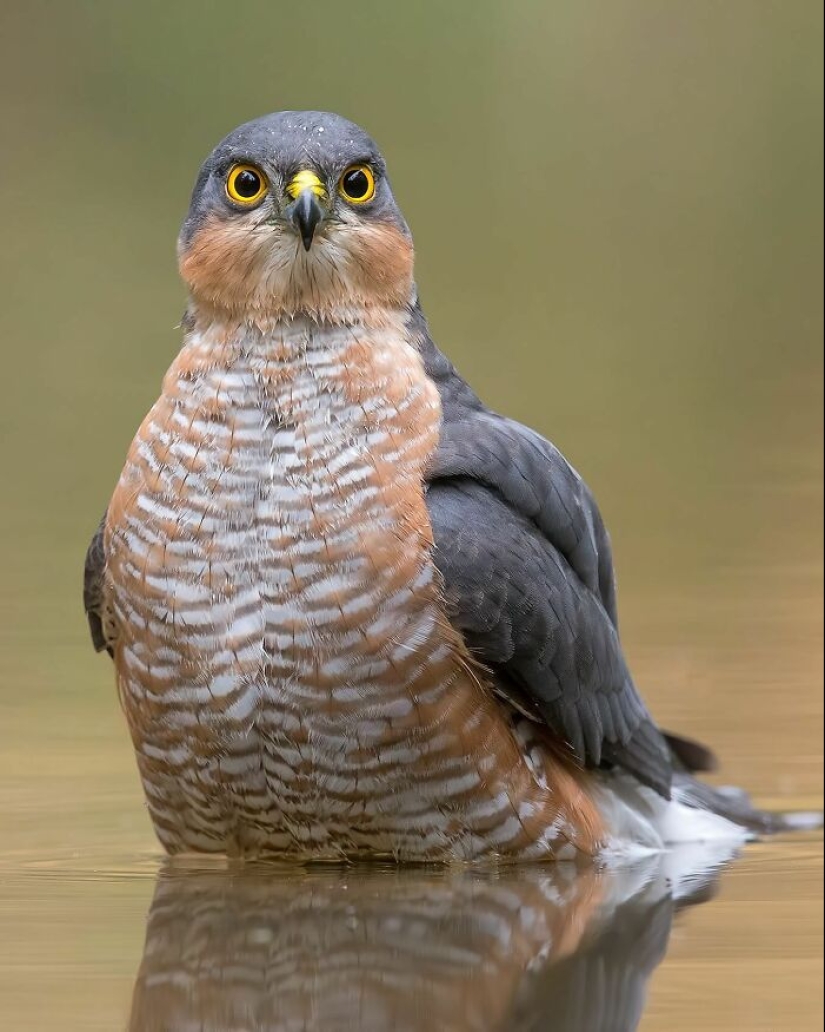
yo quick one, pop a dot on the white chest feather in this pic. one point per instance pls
(273, 497)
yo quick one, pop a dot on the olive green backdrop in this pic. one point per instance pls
(617, 208)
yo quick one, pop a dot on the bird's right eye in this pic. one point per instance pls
(246, 185)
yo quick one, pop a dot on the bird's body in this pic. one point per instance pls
(285, 662)
(352, 612)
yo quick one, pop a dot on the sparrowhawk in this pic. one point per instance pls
(352, 611)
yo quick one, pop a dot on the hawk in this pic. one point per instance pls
(353, 612)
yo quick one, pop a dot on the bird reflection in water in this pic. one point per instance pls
(377, 950)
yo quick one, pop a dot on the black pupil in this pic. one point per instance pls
(356, 183)
(247, 183)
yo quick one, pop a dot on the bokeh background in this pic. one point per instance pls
(617, 209)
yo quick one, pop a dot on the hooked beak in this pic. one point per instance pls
(305, 213)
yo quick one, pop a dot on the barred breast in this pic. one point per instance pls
(290, 680)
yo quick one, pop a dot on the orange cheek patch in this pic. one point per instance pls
(223, 262)
(262, 270)
(384, 256)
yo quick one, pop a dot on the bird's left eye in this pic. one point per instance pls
(246, 184)
(357, 184)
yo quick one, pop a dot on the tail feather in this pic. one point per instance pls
(639, 819)
(695, 757)
(734, 805)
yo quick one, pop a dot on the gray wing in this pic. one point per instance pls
(535, 479)
(527, 616)
(93, 590)
(527, 471)
(528, 578)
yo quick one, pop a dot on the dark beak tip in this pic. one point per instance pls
(305, 216)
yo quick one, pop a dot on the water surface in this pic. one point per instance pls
(139, 944)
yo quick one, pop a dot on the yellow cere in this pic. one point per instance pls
(305, 180)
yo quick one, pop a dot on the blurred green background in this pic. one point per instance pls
(617, 208)
(618, 216)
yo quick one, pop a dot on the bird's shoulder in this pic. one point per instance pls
(525, 469)
(528, 578)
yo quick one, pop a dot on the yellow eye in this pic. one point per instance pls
(357, 184)
(246, 184)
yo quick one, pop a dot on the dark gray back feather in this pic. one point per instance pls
(528, 577)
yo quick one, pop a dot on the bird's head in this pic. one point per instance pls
(293, 213)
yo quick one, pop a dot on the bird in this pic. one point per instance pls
(354, 613)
